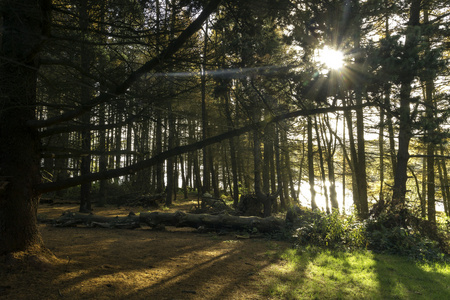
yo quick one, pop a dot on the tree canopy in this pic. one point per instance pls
(224, 97)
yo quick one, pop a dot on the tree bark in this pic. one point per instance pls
(171, 160)
(429, 110)
(322, 167)
(311, 164)
(361, 176)
(443, 176)
(178, 219)
(24, 26)
(233, 158)
(405, 132)
(85, 166)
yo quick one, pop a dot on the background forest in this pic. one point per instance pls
(236, 97)
(251, 61)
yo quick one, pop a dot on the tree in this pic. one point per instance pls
(27, 24)
(405, 131)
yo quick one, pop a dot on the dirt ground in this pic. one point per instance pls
(178, 263)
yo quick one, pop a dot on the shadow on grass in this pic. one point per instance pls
(312, 273)
(401, 278)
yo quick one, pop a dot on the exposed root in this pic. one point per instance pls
(37, 258)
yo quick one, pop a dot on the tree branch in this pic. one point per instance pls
(74, 181)
(150, 65)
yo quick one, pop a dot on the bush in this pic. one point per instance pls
(401, 234)
(411, 237)
(331, 230)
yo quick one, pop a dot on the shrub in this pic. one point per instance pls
(331, 230)
(404, 235)
(401, 234)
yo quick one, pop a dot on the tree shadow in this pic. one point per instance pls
(309, 273)
(401, 278)
(146, 264)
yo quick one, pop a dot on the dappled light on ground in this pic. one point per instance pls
(181, 263)
(178, 263)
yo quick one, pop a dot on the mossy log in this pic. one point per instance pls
(178, 219)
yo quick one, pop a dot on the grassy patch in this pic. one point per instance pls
(312, 273)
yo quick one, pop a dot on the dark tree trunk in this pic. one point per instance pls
(322, 167)
(405, 133)
(23, 27)
(171, 160)
(431, 197)
(103, 160)
(183, 177)
(257, 171)
(443, 175)
(85, 166)
(278, 166)
(354, 160)
(159, 167)
(311, 164)
(429, 90)
(233, 158)
(360, 163)
(206, 164)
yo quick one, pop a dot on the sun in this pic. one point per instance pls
(331, 58)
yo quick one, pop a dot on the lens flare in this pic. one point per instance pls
(331, 58)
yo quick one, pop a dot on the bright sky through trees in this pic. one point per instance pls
(331, 58)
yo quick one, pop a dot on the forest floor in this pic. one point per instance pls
(176, 263)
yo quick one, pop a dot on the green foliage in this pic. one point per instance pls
(331, 230)
(386, 235)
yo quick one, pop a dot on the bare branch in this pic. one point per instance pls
(54, 186)
(150, 65)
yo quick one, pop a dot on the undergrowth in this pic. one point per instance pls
(399, 234)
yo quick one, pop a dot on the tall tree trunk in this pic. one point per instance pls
(322, 168)
(257, 161)
(85, 166)
(24, 23)
(361, 178)
(405, 133)
(206, 166)
(354, 160)
(159, 148)
(300, 168)
(103, 160)
(183, 177)
(171, 160)
(118, 140)
(431, 200)
(286, 171)
(423, 200)
(311, 164)
(431, 197)
(444, 183)
(234, 164)
(344, 167)
(214, 175)
(268, 156)
(330, 151)
(381, 160)
(278, 166)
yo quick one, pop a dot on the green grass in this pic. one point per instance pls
(312, 273)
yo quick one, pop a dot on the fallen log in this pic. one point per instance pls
(70, 219)
(177, 219)
(180, 219)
